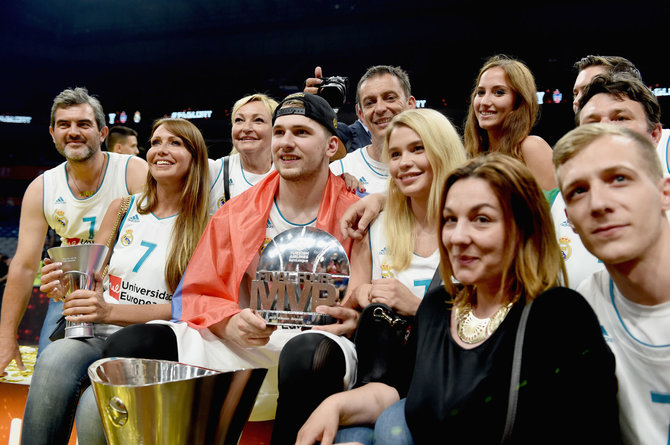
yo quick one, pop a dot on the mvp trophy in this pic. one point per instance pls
(80, 263)
(299, 270)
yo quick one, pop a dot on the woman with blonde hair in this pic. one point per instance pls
(250, 159)
(154, 242)
(421, 149)
(501, 353)
(503, 110)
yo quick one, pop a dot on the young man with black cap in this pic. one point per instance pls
(216, 327)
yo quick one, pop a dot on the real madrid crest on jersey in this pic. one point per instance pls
(387, 271)
(61, 219)
(127, 238)
(566, 250)
(220, 201)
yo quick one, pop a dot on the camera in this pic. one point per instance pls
(334, 90)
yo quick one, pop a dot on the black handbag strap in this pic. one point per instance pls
(436, 281)
(226, 179)
(516, 374)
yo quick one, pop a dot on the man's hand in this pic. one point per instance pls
(312, 83)
(247, 328)
(347, 320)
(9, 350)
(356, 219)
(52, 278)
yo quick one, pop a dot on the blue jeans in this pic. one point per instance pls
(60, 376)
(390, 429)
(89, 424)
(54, 312)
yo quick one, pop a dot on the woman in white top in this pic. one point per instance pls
(399, 258)
(165, 221)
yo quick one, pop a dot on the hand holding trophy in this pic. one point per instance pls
(79, 264)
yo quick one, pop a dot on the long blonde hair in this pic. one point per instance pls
(193, 215)
(445, 152)
(534, 260)
(518, 123)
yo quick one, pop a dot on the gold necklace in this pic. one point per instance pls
(473, 330)
(89, 193)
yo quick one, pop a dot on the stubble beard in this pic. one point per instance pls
(77, 155)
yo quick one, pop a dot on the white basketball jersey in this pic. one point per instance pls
(416, 277)
(239, 180)
(374, 175)
(75, 220)
(137, 266)
(639, 336)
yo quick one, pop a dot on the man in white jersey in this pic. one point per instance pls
(71, 198)
(616, 200)
(382, 92)
(623, 100)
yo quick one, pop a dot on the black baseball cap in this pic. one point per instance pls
(316, 108)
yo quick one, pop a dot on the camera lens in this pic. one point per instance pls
(334, 90)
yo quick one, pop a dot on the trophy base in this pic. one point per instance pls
(297, 319)
(79, 330)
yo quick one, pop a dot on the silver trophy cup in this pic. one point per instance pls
(80, 263)
(299, 270)
(157, 402)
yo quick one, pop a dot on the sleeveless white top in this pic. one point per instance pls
(76, 220)
(239, 180)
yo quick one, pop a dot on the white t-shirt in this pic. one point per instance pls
(639, 337)
(239, 180)
(374, 175)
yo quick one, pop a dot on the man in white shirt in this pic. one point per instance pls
(619, 99)
(616, 200)
(382, 92)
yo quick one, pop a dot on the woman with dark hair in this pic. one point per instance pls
(165, 221)
(501, 266)
(503, 110)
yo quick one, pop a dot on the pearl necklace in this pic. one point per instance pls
(473, 330)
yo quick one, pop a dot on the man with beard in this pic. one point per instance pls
(71, 198)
